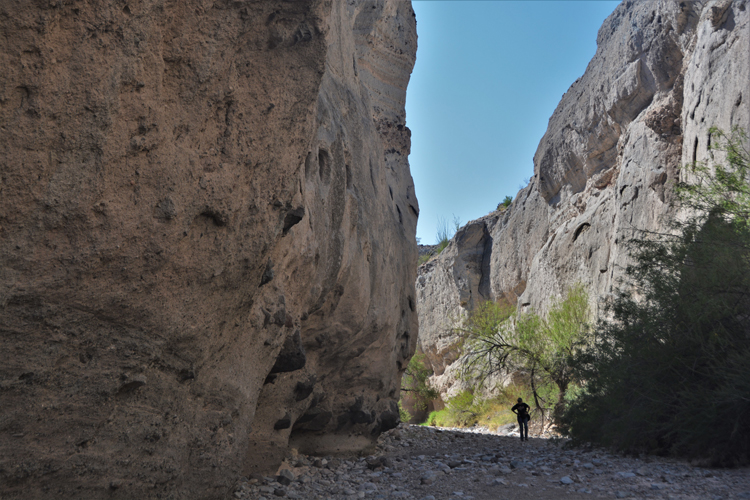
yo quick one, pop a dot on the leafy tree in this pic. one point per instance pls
(669, 372)
(403, 413)
(499, 340)
(415, 381)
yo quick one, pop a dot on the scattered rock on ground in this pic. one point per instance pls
(427, 463)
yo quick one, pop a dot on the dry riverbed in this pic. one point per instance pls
(425, 463)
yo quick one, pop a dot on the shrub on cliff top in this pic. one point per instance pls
(505, 203)
(446, 232)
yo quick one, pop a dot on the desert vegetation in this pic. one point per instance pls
(669, 371)
(445, 231)
(503, 205)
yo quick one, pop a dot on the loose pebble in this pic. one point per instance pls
(475, 464)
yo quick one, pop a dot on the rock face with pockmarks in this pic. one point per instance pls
(207, 243)
(663, 74)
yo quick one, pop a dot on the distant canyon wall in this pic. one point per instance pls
(207, 239)
(663, 74)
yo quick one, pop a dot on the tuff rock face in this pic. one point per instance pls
(207, 242)
(663, 74)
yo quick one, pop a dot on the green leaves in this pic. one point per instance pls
(505, 203)
(500, 340)
(415, 381)
(719, 187)
(669, 371)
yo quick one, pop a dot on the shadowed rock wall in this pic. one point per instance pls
(663, 74)
(207, 242)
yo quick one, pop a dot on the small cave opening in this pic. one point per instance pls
(581, 229)
(324, 165)
(292, 218)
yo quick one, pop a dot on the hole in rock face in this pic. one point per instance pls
(582, 228)
(216, 216)
(267, 274)
(348, 177)
(324, 165)
(404, 347)
(292, 356)
(292, 218)
(309, 169)
(314, 419)
(283, 423)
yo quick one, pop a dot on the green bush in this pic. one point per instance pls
(415, 382)
(462, 410)
(466, 409)
(505, 203)
(499, 339)
(669, 373)
(403, 413)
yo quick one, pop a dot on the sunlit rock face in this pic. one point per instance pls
(207, 243)
(663, 74)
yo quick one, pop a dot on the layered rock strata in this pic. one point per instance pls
(663, 74)
(207, 242)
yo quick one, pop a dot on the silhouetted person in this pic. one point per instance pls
(521, 410)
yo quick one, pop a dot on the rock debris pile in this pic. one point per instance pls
(425, 463)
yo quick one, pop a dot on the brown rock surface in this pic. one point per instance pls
(663, 74)
(206, 239)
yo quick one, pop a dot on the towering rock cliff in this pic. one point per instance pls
(207, 242)
(663, 74)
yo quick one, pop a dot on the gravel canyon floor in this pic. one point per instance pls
(425, 463)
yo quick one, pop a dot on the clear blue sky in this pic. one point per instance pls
(488, 76)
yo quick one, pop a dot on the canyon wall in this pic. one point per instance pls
(663, 74)
(207, 239)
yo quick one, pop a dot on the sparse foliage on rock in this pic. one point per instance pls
(445, 232)
(505, 203)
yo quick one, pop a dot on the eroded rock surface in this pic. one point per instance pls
(663, 74)
(207, 242)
